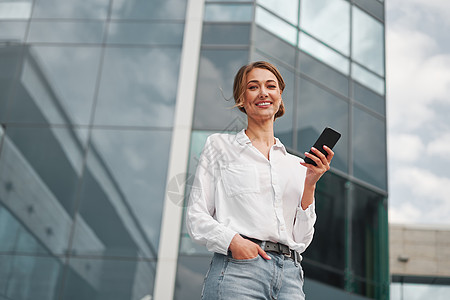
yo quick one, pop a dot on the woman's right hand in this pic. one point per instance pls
(245, 249)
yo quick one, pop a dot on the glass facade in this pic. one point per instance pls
(88, 95)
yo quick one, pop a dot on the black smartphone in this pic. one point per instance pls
(328, 137)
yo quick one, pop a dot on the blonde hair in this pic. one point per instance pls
(240, 84)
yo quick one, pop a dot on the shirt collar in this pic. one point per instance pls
(243, 139)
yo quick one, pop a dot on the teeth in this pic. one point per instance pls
(263, 103)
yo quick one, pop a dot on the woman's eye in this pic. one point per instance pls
(252, 88)
(272, 86)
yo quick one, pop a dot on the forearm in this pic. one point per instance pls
(308, 196)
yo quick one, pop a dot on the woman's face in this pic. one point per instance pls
(262, 97)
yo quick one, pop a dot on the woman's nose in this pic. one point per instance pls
(262, 93)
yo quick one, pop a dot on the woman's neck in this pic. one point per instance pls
(261, 132)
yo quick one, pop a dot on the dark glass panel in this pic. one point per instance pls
(191, 272)
(87, 32)
(12, 31)
(124, 183)
(368, 98)
(317, 109)
(226, 34)
(369, 153)
(323, 74)
(56, 86)
(29, 277)
(138, 87)
(316, 290)
(274, 46)
(71, 9)
(145, 33)
(39, 177)
(144, 9)
(369, 246)
(374, 7)
(101, 279)
(10, 68)
(214, 87)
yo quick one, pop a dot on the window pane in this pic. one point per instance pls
(276, 26)
(368, 79)
(49, 93)
(226, 34)
(10, 69)
(369, 153)
(71, 9)
(368, 41)
(288, 10)
(138, 87)
(228, 13)
(149, 10)
(109, 279)
(323, 74)
(274, 46)
(145, 33)
(40, 170)
(323, 53)
(12, 31)
(369, 242)
(330, 233)
(316, 110)
(329, 21)
(66, 32)
(29, 277)
(124, 182)
(15, 9)
(214, 99)
(368, 98)
(375, 7)
(190, 274)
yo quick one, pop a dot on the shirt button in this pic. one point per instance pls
(282, 228)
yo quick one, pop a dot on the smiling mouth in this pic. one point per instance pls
(263, 103)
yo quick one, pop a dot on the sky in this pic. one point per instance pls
(418, 110)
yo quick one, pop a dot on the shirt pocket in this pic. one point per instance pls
(240, 179)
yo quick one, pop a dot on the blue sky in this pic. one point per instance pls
(418, 110)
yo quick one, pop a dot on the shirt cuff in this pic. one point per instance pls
(307, 214)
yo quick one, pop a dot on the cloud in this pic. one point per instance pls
(405, 147)
(440, 147)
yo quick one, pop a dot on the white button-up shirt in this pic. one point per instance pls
(238, 190)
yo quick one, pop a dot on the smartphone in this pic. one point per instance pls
(328, 137)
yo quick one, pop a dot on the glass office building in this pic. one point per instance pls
(104, 109)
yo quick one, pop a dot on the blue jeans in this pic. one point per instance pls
(279, 278)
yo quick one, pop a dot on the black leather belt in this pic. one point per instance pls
(277, 248)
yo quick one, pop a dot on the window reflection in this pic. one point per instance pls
(190, 274)
(15, 9)
(138, 87)
(145, 33)
(274, 46)
(124, 182)
(369, 153)
(369, 79)
(228, 13)
(96, 9)
(149, 10)
(66, 32)
(212, 111)
(368, 98)
(316, 110)
(48, 93)
(226, 34)
(276, 26)
(28, 277)
(368, 41)
(12, 31)
(328, 20)
(323, 53)
(39, 171)
(288, 11)
(109, 279)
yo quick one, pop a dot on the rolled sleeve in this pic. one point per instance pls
(304, 225)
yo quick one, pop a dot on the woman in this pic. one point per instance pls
(252, 203)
